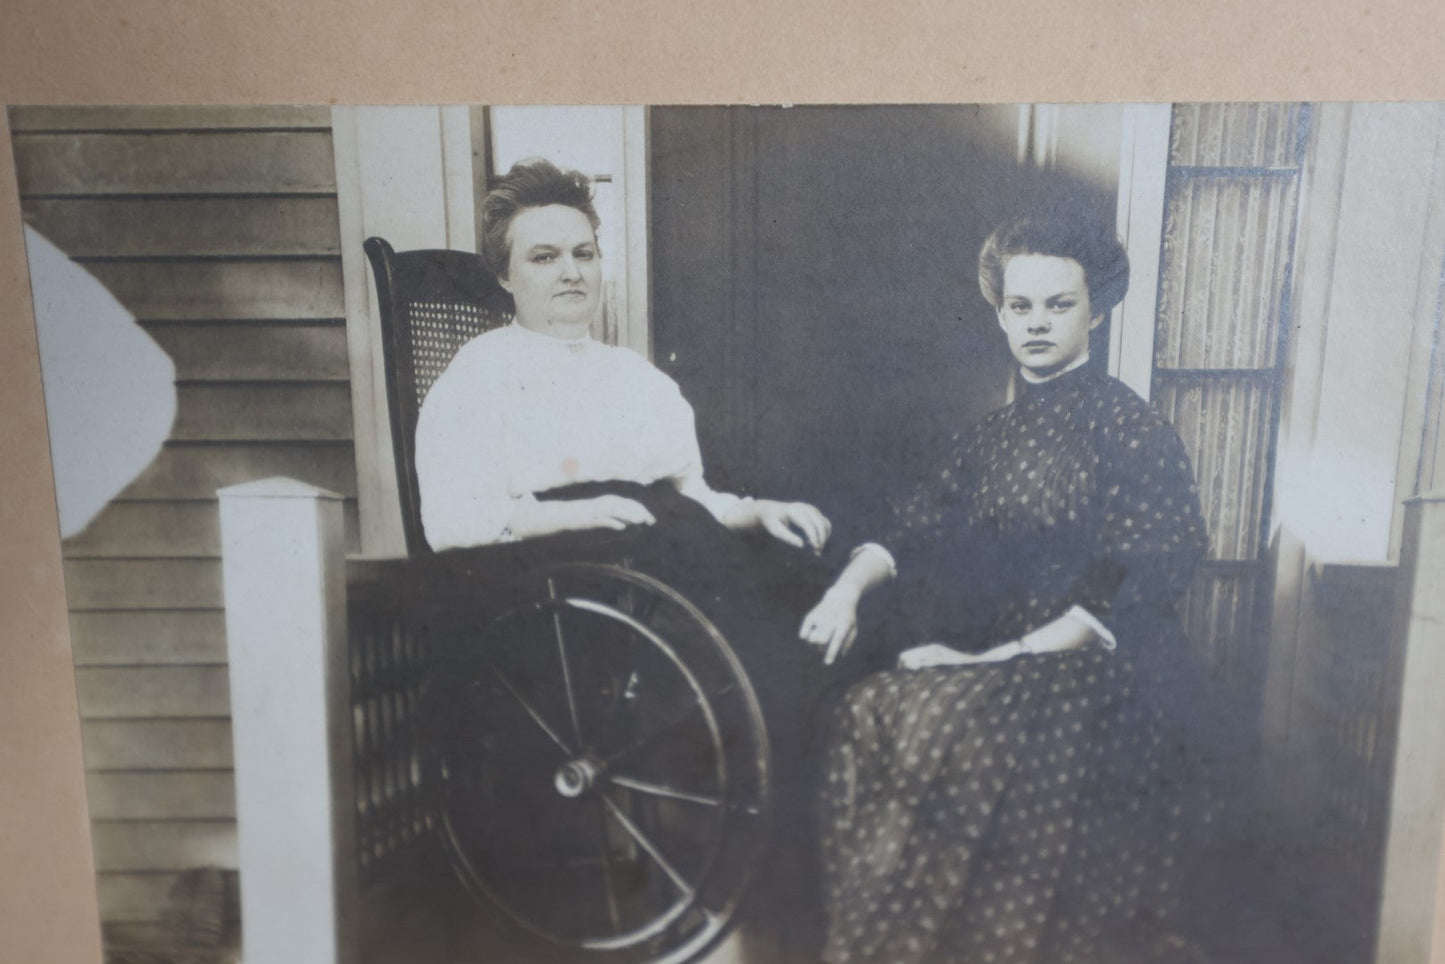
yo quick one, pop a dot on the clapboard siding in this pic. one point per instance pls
(251, 410)
(163, 844)
(80, 118)
(191, 470)
(134, 933)
(132, 896)
(194, 795)
(191, 227)
(142, 584)
(155, 637)
(144, 692)
(228, 351)
(179, 162)
(195, 290)
(165, 530)
(217, 228)
(156, 744)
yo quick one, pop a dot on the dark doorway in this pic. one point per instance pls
(814, 287)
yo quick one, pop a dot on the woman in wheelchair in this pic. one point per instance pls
(535, 430)
(1004, 793)
(538, 406)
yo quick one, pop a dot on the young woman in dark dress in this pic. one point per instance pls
(1010, 791)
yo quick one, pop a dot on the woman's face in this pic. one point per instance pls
(1045, 312)
(555, 271)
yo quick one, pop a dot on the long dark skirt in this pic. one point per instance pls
(1020, 811)
(756, 591)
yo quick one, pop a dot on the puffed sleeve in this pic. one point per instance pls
(464, 485)
(946, 586)
(679, 439)
(1150, 532)
(918, 522)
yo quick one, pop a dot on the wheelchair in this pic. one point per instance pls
(595, 756)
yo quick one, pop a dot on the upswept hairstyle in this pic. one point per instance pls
(531, 183)
(1097, 250)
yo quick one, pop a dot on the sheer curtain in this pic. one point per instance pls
(1220, 339)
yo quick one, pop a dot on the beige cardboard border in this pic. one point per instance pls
(500, 51)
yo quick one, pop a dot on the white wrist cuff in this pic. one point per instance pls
(1105, 634)
(880, 552)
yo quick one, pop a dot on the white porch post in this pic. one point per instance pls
(1417, 798)
(285, 589)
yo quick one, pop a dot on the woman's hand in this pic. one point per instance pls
(532, 518)
(937, 654)
(833, 623)
(611, 512)
(1058, 635)
(797, 524)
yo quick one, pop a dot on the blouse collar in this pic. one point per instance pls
(540, 338)
(1034, 380)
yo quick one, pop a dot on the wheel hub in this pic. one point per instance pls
(578, 777)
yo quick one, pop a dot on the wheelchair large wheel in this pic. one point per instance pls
(603, 776)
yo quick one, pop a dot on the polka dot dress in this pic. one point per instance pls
(1022, 811)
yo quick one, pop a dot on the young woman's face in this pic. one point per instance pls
(1045, 312)
(555, 271)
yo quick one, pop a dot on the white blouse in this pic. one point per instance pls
(518, 412)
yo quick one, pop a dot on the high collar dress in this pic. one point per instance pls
(1022, 811)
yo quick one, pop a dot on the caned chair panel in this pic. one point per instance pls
(431, 303)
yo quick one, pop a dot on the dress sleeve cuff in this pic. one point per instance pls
(1105, 634)
(883, 554)
(720, 505)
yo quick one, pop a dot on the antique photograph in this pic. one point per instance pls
(863, 534)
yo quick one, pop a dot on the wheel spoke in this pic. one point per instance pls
(613, 914)
(531, 710)
(645, 741)
(657, 734)
(633, 831)
(566, 667)
(661, 790)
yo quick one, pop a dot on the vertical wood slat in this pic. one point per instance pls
(389, 657)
